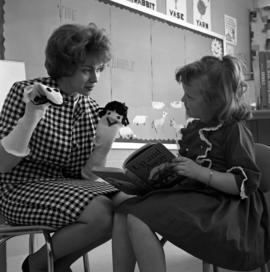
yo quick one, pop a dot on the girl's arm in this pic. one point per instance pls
(221, 181)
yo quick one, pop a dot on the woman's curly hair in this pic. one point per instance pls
(70, 44)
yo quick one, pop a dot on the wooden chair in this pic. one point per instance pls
(9, 231)
(262, 153)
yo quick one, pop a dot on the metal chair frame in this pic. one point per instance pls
(9, 231)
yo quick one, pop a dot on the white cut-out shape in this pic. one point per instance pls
(158, 105)
(253, 105)
(159, 122)
(176, 104)
(126, 133)
(190, 119)
(216, 48)
(139, 120)
(177, 128)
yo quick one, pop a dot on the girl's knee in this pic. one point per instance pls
(133, 222)
(120, 197)
(136, 225)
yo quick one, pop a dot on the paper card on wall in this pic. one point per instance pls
(158, 105)
(176, 104)
(68, 11)
(216, 48)
(229, 49)
(139, 120)
(230, 24)
(150, 4)
(177, 9)
(202, 13)
(10, 72)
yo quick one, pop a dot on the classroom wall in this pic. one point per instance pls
(27, 39)
(146, 52)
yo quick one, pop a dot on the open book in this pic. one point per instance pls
(133, 177)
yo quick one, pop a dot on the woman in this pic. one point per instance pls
(44, 148)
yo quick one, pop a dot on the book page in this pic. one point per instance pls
(147, 159)
(126, 182)
(133, 178)
(137, 153)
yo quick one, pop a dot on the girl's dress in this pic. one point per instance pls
(231, 231)
(42, 188)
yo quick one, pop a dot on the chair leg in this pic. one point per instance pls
(48, 241)
(215, 268)
(264, 268)
(31, 243)
(47, 237)
(206, 266)
(86, 263)
(3, 255)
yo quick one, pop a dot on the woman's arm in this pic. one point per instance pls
(105, 136)
(14, 146)
(8, 161)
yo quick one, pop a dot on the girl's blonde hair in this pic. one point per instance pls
(222, 85)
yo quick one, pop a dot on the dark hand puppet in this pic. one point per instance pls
(112, 117)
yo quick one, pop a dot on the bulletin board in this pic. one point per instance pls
(10, 71)
(146, 53)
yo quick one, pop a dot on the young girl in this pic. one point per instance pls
(216, 212)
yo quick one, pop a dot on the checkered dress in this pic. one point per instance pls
(44, 187)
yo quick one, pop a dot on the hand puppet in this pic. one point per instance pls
(37, 97)
(112, 117)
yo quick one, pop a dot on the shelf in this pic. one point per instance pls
(261, 114)
(169, 19)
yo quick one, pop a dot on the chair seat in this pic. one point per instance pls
(5, 228)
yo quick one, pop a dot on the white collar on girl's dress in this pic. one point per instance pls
(203, 158)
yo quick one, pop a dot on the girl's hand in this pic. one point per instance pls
(156, 171)
(186, 167)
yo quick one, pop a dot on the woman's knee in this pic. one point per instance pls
(98, 211)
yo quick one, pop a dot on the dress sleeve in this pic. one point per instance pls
(240, 158)
(12, 110)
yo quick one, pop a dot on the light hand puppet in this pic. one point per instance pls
(37, 98)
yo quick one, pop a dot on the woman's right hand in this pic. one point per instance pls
(14, 146)
(32, 110)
